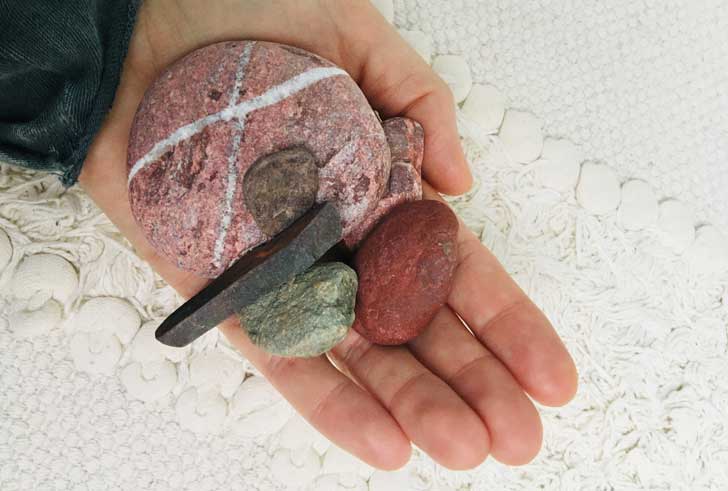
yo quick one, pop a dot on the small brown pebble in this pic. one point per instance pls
(405, 269)
(280, 187)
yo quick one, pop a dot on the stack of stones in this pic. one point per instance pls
(237, 140)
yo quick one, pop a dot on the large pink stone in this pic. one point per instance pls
(215, 113)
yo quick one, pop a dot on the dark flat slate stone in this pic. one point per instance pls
(258, 272)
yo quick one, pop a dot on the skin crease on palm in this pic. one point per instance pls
(458, 394)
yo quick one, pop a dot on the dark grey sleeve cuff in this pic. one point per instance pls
(60, 63)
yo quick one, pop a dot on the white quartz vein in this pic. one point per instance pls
(239, 111)
(232, 177)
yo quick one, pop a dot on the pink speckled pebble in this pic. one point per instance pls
(220, 109)
(406, 145)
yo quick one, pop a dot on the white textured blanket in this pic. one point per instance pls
(630, 262)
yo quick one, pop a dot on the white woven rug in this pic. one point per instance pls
(641, 87)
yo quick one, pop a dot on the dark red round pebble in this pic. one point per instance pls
(405, 269)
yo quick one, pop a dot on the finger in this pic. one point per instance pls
(398, 82)
(430, 413)
(342, 411)
(509, 324)
(452, 353)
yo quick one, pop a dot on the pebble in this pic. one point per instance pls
(295, 468)
(455, 71)
(95, 352)
(708, 254)
(306, 316)
(255, 394)
(214, 370)
(145, 348)
(201, 412)
(269, 195)
(639, 207)
(386, 8)
(559, 165)
(677, 224)
(405, 268)
(338, 461)
(389, 481)
(296, 433)
(6, 250)
(261, 271)
(321, 444)
(203, 170)
(150, 381)
(521, 136)
(30, 323)
(262, 423)
(420, 42)
(598, 190)
(258, 409)
(109, 314)
(406, 140)
(46, 276)
(485, 106)
(338, 482)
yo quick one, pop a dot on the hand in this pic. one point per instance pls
(458, 396)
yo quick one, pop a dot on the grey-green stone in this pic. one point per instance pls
(306, 316)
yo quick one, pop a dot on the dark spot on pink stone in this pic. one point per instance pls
(400, 180)
(214, 95)
(406, 140)
(194, 158)
(280, 187)
(397, 141)
(149, 195)
(361, 186)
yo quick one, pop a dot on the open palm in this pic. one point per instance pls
(459, 393)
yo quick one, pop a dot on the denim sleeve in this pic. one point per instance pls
(60, 62)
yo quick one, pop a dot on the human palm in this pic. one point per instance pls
(459, 393)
